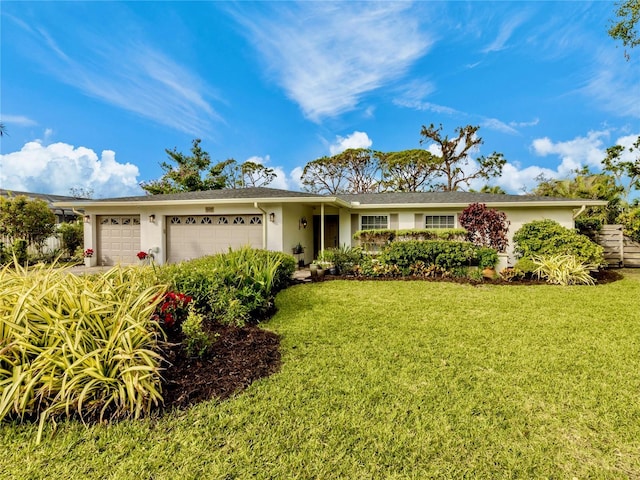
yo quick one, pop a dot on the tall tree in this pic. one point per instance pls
(626, 171)
(362, 169)
(24, 219)
(325, 175)
(626, 26)
(247, 174)
(406, 171)
(189, 174)
(585, 184)
(452, 166)
(355, 170)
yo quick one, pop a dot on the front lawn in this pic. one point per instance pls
(397, 380)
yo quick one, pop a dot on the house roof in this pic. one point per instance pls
(454, 199)
(52, 200)
(355, 201)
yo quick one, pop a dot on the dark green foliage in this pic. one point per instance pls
(345, 258)
(588, 226)
(72, 235)
(19, 251)
(547, 237)
(631, 222)
(235, 287)
(25, 219)
(526, 265)
(383, 236)
(487, 257)
(445, 254)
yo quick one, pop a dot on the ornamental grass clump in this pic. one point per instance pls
(563, 270)
(78, 345)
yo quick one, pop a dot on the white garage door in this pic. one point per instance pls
(193, 236)
(118, 239)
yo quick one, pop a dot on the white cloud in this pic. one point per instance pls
(58, 167)
(500, 126)
(355, 140)
(122, 70)
(532, 123)
(295, 176)
(504, 34)
(576, 153)
(327, 55)
(19, 120)
(613, 84)
(281, 180)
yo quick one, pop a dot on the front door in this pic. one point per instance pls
(331, 233)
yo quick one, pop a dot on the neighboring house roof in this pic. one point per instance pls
(362, 200)
(52, 200)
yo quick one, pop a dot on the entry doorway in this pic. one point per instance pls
(331, 233)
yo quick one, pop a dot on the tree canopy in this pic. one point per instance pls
(26, 219)
(452, 167)
(363, 170)
(195, 172)
(625, 26)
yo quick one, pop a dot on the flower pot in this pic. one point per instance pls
(489, 273)
(313, 268)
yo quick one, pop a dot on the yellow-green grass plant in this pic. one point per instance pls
(81, 345)
(563, 270)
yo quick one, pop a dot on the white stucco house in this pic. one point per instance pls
(183, 226)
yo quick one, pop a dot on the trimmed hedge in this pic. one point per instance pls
(444, 254)
(380, 237)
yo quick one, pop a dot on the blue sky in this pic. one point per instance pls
(93, 92)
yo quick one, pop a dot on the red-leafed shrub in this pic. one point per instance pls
(486, 227)
(172, 310)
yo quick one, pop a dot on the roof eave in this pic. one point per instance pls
(204, 201)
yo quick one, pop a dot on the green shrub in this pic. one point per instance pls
(197, 342)
(487, 257)
(526, 266)
(383, 236)
(345, 258)
(19, 252)
(549, 238)
(72, 236)
(563, 270)
(235, 287)
(631, 223)
(78, 344)
(445, 254)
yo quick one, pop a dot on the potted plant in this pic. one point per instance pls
(298, 249)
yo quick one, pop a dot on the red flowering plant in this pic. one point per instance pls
(172, 310)
(88, 253)
(142, 255)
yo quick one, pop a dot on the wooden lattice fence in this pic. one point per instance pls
(619, 250)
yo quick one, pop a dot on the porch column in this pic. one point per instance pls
(322, 227)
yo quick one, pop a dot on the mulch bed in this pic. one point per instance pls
(238, 357)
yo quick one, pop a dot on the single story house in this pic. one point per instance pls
(182, 226)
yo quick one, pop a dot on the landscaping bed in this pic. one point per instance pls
(239, 357)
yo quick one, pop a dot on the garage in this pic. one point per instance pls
(118, 239)
(193, 236)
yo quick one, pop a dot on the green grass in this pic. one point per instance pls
(398, 380)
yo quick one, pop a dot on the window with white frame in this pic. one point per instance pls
(439, 221)
(374, 222)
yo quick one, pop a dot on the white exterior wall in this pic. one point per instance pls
(293, 232)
